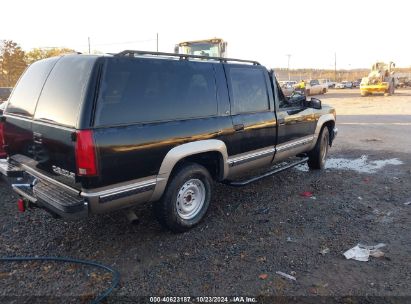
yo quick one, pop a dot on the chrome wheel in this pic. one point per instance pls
(190, 199)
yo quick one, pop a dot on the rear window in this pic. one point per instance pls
(137, 90)
(24, 98)
(65, 90)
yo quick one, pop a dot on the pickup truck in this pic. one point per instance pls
(93, 134)
(314, 87)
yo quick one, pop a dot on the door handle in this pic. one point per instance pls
(239, 127)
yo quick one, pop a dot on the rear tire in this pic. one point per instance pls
(186, 199)
(317, 156)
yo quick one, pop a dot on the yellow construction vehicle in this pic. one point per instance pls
(215, 47)
(380, 80)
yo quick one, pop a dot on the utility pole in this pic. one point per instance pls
(157, 42)
(288, 66)
(89, 49)
(335, 67)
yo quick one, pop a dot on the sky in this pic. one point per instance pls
(312, 32)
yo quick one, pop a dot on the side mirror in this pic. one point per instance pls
(315, 103)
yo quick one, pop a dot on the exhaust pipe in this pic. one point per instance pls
(132, 217)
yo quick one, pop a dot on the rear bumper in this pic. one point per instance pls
(67, 202)
(64, 201)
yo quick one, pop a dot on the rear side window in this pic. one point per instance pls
(249, 90)
(138, 90)
(65, 90)
(26, 93)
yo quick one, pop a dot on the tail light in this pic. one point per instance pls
(85, 153)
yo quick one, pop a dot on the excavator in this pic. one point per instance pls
(380, 79)
(215, 47)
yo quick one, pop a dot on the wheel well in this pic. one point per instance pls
(212, 161)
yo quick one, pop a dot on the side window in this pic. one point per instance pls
(135, 90)
(24, 98)
(249, 90)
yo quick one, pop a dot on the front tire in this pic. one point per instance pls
(186, 198)
(317, 156)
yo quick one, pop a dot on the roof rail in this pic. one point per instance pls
(184, 56)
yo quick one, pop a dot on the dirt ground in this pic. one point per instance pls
(250, 233)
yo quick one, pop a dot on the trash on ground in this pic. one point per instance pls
(373, 139)
(376, 253)
(306, 194)
(407, 203)
(363, 252)
(325, 251)
(290, 277)
(263, 276)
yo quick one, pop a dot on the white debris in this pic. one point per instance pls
(363, 252)
(325, 251)
(290, 277)
(360, 165)
(407, 203)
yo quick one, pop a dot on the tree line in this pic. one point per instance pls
(14, 60)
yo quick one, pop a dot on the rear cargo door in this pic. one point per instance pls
(56, 117)
(18, 133)
(50, 142)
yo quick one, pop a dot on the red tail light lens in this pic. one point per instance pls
(85, 153)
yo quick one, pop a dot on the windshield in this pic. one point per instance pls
(202, 49)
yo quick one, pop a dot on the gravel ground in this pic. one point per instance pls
(249, 234)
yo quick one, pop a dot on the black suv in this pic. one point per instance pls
(92, 134)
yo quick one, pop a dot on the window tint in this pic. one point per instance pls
(249, 90)
(145, 90)
(25, 95)
(64, 90)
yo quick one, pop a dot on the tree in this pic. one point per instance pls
(40, 53)
(12, 62)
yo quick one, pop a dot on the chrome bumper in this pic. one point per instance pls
(65, 201)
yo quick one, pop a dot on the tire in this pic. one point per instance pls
(186, 199)
(317, 156)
